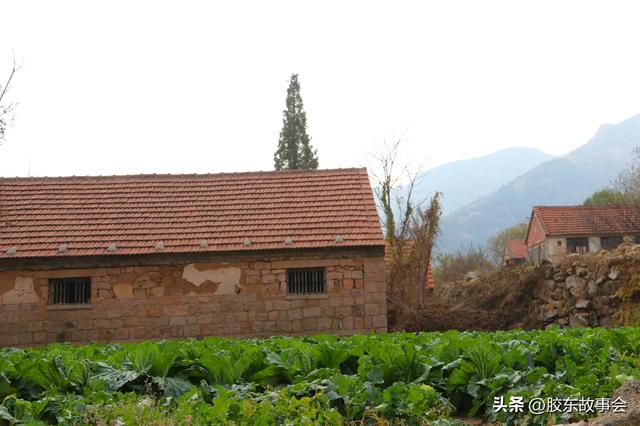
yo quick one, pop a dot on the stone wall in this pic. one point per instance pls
(592, 289)
(241, 297)
(589, 290)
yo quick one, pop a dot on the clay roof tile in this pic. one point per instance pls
(137, 213)
(517, 249)
(588, 220)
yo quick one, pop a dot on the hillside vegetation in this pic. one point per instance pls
(560, 181)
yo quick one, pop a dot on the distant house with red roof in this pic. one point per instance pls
(556, 231)
(515, 253)
(124, 258)
(429, 281)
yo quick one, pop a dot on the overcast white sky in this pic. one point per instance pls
(186, 86)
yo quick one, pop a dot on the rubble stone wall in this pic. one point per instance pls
(593, 289)
(578, 295)
(244, 296)
(596, 289)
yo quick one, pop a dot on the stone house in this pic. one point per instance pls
(560, 230)
(515, 253)
(126, 258)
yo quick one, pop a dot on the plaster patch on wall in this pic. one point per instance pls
(22, 292)
(123, 290)
(228, 278)
(148, 280)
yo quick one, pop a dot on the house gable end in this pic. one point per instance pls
(535, 232)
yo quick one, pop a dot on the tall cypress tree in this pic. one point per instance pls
(294, 146)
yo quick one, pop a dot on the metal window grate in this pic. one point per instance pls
(577, 245)
(70, 291)
(305, 281)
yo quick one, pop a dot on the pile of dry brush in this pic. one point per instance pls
(506, 298)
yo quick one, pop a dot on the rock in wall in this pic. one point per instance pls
(593, 289)
(598, 289)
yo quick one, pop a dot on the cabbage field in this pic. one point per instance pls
(403, 378)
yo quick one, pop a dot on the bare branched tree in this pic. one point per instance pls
(455, 266)
(624, 197)
(410, 229)
(627, 184)
(425, 228)
(7, 108)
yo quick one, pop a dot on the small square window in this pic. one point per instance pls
(610, 242)
(69, 291)
(305, 281)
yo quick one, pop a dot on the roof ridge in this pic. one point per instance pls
(166, 175)
(604, 206)
(310, 208)
(587, 220)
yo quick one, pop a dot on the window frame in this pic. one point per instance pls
(321, 287)
(610, 237)
(571, 249)
(76, 297)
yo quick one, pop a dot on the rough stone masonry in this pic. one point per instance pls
(243, 296)
(122, 258)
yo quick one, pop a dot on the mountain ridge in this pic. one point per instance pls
(564, 180)
(488, 172)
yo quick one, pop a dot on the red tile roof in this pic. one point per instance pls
(228, 211)
(517, 249)
(588, 220)
(430, 281)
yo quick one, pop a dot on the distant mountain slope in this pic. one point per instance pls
(560, 181)
(464, 181)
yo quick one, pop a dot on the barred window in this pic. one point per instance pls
(610, 242)
(577, 245)
(305, 281)
(69, 291)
